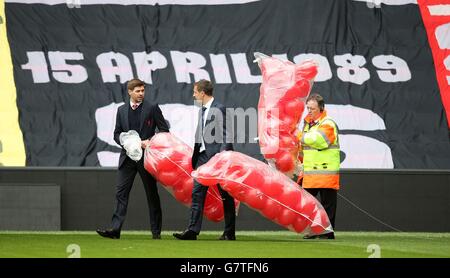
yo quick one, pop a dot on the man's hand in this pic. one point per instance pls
(145, 143)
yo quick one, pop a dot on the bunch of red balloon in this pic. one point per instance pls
(266, 190)
(168, 159)
(283, 92)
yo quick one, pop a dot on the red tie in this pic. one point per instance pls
(134, 106)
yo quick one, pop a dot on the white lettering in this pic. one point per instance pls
(147, 63)
(186, 63)
(115, 66)
(242, 70)
(442, 36)
(220, 68)
(109, 70)
(447, 66)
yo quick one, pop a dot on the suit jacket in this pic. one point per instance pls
(218, 136)
(151, 118)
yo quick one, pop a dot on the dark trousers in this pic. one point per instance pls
(328, 199)
(198, 201)
(125, 179)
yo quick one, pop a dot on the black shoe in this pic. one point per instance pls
(310, 237)
(109, 233)
(324, 236)
(186, 235)
(227, 237)
(327, 236)
(156, 236)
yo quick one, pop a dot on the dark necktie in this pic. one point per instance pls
(134, 106)
(203, 116)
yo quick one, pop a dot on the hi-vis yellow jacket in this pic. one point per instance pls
(321, 154)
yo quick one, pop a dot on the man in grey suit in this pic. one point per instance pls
(143, 117)
(211, 137)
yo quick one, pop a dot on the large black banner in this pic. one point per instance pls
(376, 73)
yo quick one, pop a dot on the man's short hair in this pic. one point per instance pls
(319, 100)
(205, 86)
(133, 83)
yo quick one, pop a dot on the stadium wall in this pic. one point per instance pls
(369, 200)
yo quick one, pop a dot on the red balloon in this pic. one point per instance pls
(285, 162)
(303, 88)
(228, 185)
(308, 204)
(180, 182)
(290, 198)
(255, 199)
(168, 178)
(306, 72)
(287, 216)
(234, 169)
(187, 186)
(300, 224)
(182, 196)
(239, 193)
(206, 181)
(213, 196)
(186, 164)
(320, 217)
(271, 209)
(164, 165)
(290, 94)
(177, 157)
(288, 124)
(254, 179)
(214, 213)
(287, 142)
(272, 188)
(294, 108)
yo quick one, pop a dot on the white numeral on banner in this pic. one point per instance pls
(38, 66)
(66, 73)
(61, 71)
(394, 69)
(351, 69)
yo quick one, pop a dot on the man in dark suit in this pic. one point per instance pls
(211, 137)
(143, 117)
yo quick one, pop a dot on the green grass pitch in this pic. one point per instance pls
(282, 244)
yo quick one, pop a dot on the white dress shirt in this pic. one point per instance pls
(134, 104)
(207, 106)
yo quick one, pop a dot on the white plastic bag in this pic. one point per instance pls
(131, 142)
